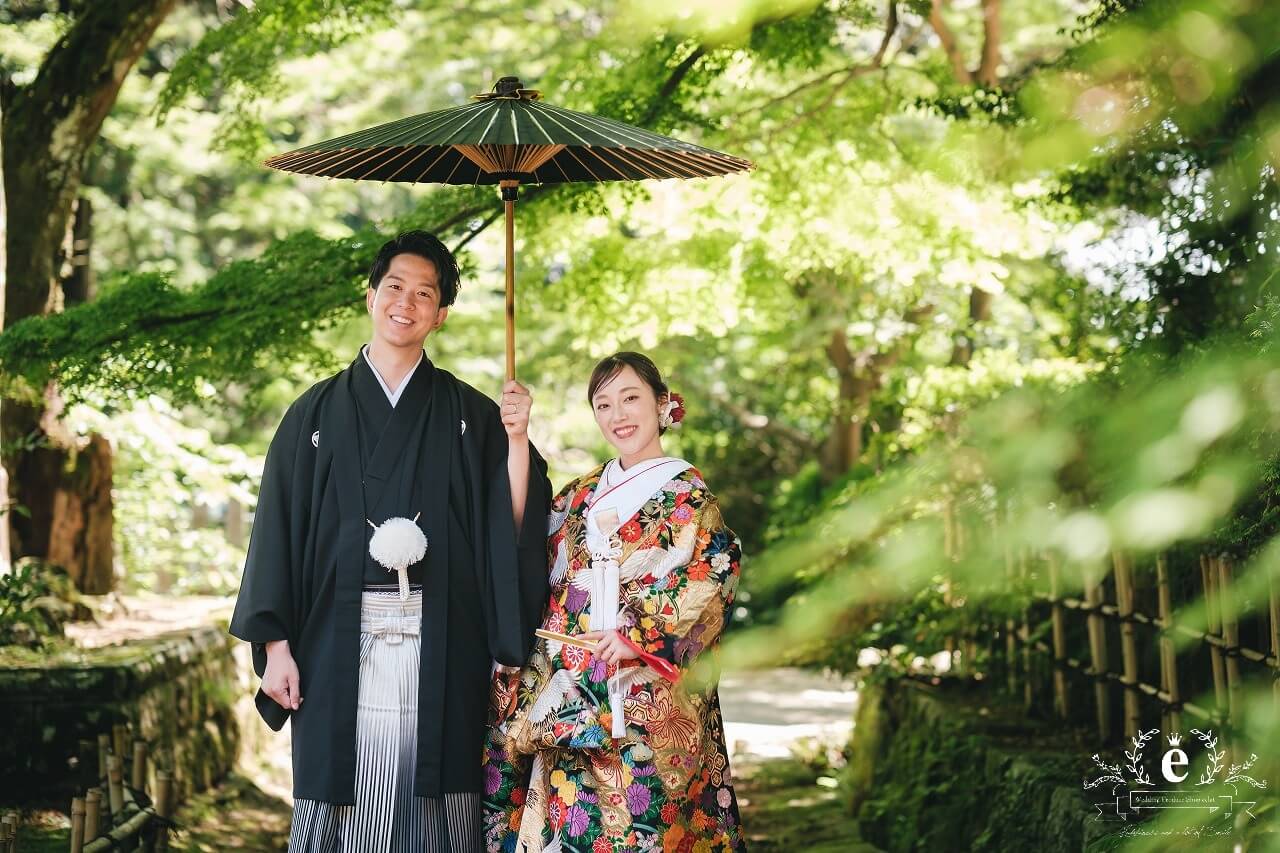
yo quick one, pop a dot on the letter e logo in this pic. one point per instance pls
(1173, 758)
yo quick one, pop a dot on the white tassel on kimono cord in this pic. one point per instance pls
(397, 544)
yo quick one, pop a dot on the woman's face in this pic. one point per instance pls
(627, 413)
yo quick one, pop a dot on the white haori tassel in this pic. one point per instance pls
(397, 544)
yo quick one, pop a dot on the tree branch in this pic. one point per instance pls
(949, 44)
(987, 72)
(847, 75)
(877, 61)
(474, 232)
(672, 83)
(988, 69)
(761, 423)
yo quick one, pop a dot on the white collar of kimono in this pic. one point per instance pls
(393, 397)
(617, 497)
(624, 491)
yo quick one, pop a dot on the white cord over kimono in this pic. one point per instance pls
(617, 499)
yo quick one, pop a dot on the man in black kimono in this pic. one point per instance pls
(394, 436)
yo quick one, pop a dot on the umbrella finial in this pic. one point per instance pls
(509, 88)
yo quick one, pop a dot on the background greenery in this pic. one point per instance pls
(1015, 259)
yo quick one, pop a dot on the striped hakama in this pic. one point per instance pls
(387, 817)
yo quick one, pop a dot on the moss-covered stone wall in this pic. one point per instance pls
(177, 691)
(942, 768)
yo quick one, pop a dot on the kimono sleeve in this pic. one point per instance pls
(677, 616)
(516, 565)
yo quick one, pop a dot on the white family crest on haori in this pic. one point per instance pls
(618, 496)
(397, 544)
(315, 438)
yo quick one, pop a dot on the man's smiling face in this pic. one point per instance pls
(405, 306)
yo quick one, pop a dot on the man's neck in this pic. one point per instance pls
(392, 363)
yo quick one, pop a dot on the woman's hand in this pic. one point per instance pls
(280, 680)
(610, 647)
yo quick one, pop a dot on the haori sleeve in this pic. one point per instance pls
(678, 615)
(264, 605)
(516, 564)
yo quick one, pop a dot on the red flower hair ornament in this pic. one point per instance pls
(672, 412)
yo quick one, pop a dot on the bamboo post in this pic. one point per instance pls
(115, 786)
(9, 831)
(1128, 642)
(93, 813)
(950, 551)
(1060, 700)
(163, 807)
(1098, 654)
(1274, 624)
(104, 752)
(1208, 577)
(1168, 648)
(139, 769)
(1010, 643)
(1024, 632)
(77, 825)
(119, 738)
(1231, 636)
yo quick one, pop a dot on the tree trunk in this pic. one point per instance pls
(861, 375)
(47, 129)
(987, 73)
(858, 380)
(979, 311)
(81, 536)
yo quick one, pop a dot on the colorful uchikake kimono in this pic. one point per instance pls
(583, 756)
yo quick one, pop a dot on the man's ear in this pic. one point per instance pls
(441, 316)
(368, 299)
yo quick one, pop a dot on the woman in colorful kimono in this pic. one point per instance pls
(611, 739)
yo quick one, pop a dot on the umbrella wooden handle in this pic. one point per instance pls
(509, 189)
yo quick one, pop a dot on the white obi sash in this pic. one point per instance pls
(618, 497)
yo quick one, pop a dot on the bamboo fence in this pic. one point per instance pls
(117, 813)
(1138, 610)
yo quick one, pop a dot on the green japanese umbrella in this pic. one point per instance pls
(506, 137)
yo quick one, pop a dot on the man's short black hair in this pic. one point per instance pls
(426, 246)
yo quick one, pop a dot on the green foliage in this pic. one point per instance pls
(240, 60)
(35, 600)
(144, 336)
(175, 486)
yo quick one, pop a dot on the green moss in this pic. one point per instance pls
(787, 805)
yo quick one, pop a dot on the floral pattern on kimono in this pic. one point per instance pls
(554, 776)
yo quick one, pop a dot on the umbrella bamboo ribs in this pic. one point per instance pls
(508, 137)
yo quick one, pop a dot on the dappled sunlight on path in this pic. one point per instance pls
(767, 712)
